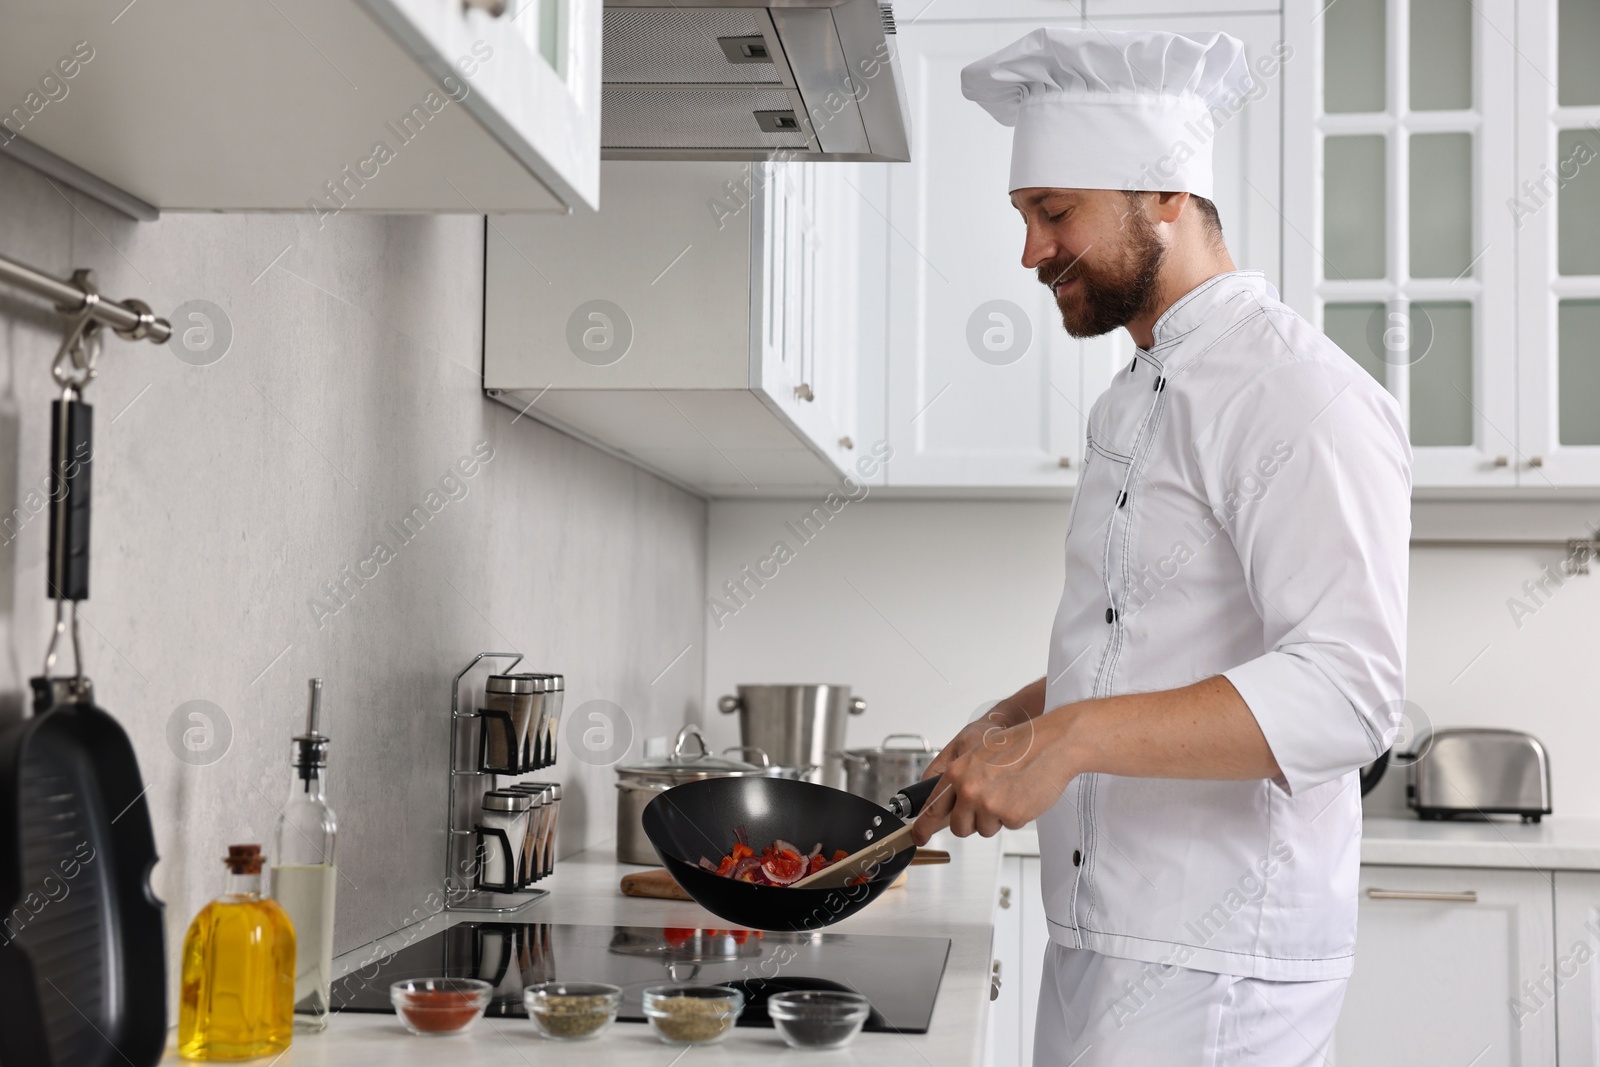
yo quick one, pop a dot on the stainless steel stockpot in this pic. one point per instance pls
(797, 725)
(640, 783)
(879, 773)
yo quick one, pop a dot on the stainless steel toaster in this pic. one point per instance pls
(1478, 771)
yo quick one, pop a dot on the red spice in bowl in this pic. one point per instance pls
(439, 1005)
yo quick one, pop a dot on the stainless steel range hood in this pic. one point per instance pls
(752, 79)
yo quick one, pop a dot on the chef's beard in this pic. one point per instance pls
(1119, 290)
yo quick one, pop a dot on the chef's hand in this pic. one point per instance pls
(1000, 777)
(986, 731)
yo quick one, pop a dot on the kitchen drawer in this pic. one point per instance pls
(1442, 955)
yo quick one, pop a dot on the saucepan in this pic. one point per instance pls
(701, 819)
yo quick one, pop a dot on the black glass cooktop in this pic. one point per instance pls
(899, 975)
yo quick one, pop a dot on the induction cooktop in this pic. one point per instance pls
(899, 975)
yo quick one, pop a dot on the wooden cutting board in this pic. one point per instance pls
(657, 884)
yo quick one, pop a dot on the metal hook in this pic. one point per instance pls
(81, 342)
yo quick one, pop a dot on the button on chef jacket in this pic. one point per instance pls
(1244, 510)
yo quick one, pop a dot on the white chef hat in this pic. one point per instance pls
(1111, 109)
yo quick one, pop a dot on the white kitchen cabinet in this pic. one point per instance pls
(1004, 1047)
(1246, 159)
(706, 325)
(983, 384)
(1020, 936)
(1573, 984)
(284, 106)
(985, 388)
(1443, 213)
(1441, 955)
(1556, 216)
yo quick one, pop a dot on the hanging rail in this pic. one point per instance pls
(131, 319)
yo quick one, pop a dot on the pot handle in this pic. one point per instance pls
(765, 762)
(729, 704)
(915, 737)
(857, 705)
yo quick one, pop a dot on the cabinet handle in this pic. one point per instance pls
(1502, 461)
(1065, 461)
(1535, 461)
(1005, 896)
(803, 392)
(1466, 896)
(495, 8)
(846, 443)
(994, 981)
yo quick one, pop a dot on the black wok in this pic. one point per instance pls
(699, 818)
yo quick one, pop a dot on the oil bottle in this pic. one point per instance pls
(237, 996)
(303, 873)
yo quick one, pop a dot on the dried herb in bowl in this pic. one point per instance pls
(571, 1011)
(692, 1015)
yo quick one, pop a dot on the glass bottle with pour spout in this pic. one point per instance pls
(235, 999)
(305, 878)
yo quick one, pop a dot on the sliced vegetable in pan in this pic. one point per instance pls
(780, 863)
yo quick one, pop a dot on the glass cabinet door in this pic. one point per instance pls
(1557, 211)
(1402, 174)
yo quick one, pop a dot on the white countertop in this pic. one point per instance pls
(1554, 844)
(955, 900)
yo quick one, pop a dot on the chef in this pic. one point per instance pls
(1230, 644)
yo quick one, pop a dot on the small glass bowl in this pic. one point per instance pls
(438, 1007)
(692, 1014)
(572, 1011)
(816, 1018)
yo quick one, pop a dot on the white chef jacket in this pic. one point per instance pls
(1244, 510)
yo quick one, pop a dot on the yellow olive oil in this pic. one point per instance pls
(236, 1001)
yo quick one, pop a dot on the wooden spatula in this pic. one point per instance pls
(869, 860)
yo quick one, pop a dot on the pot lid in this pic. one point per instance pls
(886, 749)
(688, 761)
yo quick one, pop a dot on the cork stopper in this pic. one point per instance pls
(244, 859)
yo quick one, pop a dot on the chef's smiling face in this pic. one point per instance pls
(1097, 250)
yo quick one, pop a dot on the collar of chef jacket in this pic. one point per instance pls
(1243, 510)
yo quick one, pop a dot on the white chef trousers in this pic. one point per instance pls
(1103, 1011)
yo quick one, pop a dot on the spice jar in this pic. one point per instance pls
(509, 709)
(506, 811)
(548, 834)
(541, 747)
(530, 864)
(544, 827)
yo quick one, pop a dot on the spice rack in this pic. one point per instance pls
(467, 840)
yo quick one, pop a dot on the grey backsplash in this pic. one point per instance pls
(226, 496)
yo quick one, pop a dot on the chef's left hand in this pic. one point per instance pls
(1015, 776)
